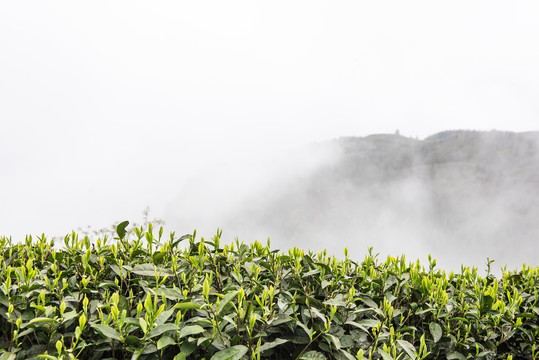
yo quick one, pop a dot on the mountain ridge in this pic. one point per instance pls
(472, 188)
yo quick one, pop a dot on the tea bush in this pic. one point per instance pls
(149, 297)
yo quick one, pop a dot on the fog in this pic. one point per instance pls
(244, 116)
(461, 208)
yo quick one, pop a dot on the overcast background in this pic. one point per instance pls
(107, 107)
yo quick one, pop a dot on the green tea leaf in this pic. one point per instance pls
(158, 257)
(122, 303)
(171, 294)
(150, 270)
(436, 331)
(9, 356)
(149, 349)
(305, 328)
(318, 314)
(25, 332)
(225, 301)
(483, 354)
(384, 355)
(107, 331)
(187, 306)
(311, 273)
(347, 341)
(4, 300)
(272, 344)
(347, 355)
(187, 348)
(369, 302)
(526, 316)
(163, 317)
(359, 326)
(164, 342)
(407, 328)
(369, 323)
(313, 355)
(335, 302)
(132, 340)
(69, 315)
(120, 229)
(143, 325)
(160, 329)
(191, 330)
(334, 340)
(486, 303)
(233, 353)
(408, 348)
(42, 319)
(455, 355)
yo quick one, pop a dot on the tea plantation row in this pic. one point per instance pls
(148, 297)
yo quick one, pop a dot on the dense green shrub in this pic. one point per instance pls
(183, 298)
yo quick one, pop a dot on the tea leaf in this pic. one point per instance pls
(408, 348)
(272, 344)
(369, 323)
(9, 356)
(187, 306)
(107, 331)
(335, 302)
(225, 301)
(455, 355)
(164, 316)
(164, 342)
(313, 355)
(486, 303)
(233, 353)
(436, 331)
(180, 356)
(191, 330)
(150, 270)
(385, 355)
(41, 319)
(333, 339)
(120, 229)
(160, 329)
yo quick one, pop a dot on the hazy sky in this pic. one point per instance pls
(109, 106)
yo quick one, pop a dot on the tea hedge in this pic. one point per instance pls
(142, 296)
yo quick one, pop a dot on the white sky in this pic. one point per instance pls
(109, 106)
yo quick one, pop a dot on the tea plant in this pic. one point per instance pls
(149, 297)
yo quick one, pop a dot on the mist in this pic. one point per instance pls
(257, 118)
(463, 197)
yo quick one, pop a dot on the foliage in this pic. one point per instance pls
(148, 297)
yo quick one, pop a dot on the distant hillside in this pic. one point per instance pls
(475, 191)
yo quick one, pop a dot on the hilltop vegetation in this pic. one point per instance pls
(479, 190)
(148, 297)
